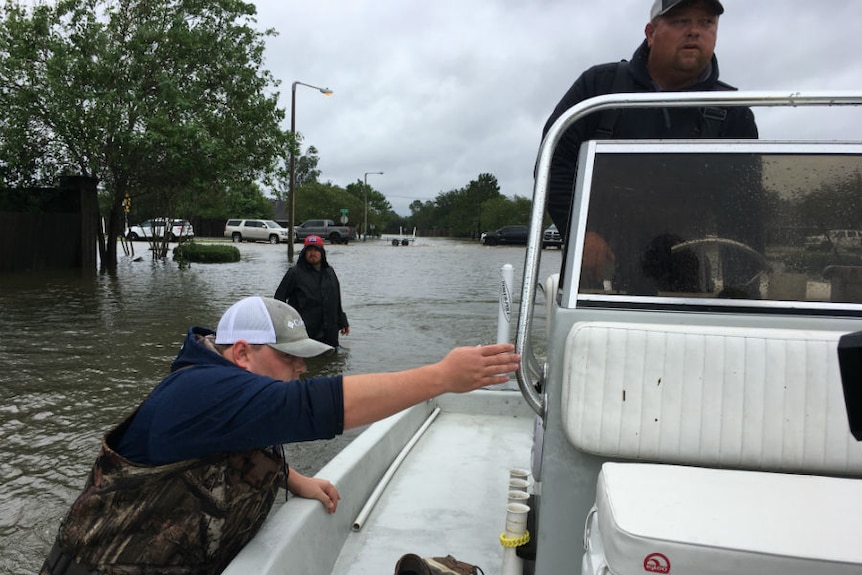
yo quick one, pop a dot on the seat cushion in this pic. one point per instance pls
(674, 519)
(749, 398)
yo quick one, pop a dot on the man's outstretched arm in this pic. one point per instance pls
(372, 397)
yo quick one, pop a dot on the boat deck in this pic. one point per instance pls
(426, 513)
(447, 497)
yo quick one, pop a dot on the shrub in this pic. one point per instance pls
(191, 251)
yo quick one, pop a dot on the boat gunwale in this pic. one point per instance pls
(302, 535)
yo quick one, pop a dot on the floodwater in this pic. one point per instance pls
(77, 355)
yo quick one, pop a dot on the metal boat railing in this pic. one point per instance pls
(529, 375)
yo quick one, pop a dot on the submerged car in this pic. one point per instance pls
(155, 228)
(507, 235)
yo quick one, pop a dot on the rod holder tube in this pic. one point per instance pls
(513, 537)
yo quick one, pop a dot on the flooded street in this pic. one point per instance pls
(77, 355)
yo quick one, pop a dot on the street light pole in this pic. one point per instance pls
(291, 205)
(365, 191)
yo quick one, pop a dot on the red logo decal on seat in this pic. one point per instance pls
(656, 563)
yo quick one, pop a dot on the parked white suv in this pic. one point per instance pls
(155, 228)
(240, 230)
(835, 239)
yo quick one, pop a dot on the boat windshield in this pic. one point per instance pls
(770, 222)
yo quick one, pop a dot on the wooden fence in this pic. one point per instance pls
(49, 228)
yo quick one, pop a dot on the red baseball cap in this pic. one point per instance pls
(314, 241)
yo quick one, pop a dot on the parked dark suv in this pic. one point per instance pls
(507, 235)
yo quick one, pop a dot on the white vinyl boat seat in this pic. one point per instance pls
(652, 518)
(745, 398)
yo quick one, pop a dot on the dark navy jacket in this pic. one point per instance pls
(209, 405)
(632, 123)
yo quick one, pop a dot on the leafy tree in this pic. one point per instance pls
(423, 215)
(379, 208)
(305, 169)
(396, 223)
(445, 203)
(502, 211)
(317, 200)
(247, 201)
(458, 212)
(465, 218)
(167, 99)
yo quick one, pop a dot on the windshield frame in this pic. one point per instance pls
(569, 287)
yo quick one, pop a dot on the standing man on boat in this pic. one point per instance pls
(186, 481)
(311, 287)
(676, 55)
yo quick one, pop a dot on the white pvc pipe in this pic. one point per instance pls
(516, 526)
(393, 467)
(504, 311)
(512, 564)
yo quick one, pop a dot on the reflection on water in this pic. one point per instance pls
(78, 354)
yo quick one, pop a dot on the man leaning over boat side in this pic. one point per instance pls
(676, 55)
(187, 480)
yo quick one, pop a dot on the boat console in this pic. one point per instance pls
(693, 417)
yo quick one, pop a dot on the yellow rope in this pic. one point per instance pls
(514, 541)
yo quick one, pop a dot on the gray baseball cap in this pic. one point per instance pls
(264, 320)
(662, 7)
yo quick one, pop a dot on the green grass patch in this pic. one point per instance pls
(191, 251)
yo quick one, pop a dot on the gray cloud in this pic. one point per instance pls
(435, 93)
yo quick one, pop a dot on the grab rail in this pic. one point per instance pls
(527, 386)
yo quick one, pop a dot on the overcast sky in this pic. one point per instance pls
(435, 93)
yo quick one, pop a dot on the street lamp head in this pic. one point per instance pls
(324, 91)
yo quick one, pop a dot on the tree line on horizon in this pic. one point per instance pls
(466, 212)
